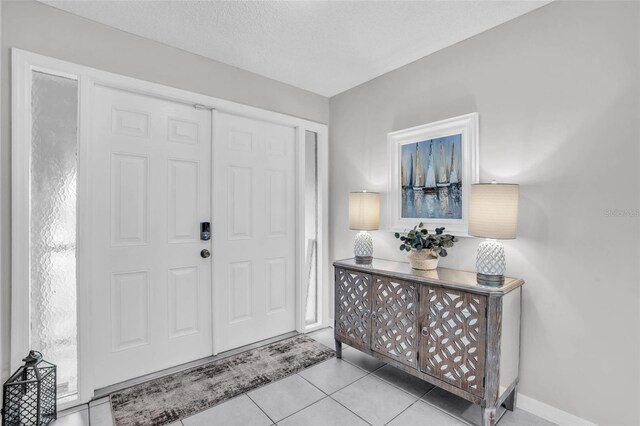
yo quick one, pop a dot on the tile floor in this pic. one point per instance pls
(357, 390)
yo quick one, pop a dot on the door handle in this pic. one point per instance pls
(205, 253)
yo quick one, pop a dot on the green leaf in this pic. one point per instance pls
(402, 247)
(397, 235)
(421, 224)
(443, 253)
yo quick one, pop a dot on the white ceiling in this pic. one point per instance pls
(322, 46)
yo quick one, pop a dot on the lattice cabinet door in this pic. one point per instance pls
(452, 345)
(394, 319)
(353, 307)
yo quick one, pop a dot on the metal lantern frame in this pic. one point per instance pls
(30, 394)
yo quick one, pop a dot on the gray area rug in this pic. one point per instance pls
(179, 395)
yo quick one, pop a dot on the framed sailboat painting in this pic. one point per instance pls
(431, 169)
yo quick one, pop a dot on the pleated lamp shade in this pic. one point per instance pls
(364, 211)
(493, 210)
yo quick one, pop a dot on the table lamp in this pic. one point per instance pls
(364, 215)
(493, 214)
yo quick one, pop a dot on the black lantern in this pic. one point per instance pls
(30, 393)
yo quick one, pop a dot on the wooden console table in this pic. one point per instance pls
(441, 326)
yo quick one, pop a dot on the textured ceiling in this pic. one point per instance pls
(322, 46)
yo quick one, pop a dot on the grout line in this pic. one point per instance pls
(337, 390)
(442, 410)
(305, 407)
(349, 410)
(417, 398)
(400, 388)
(361, 368)
(259, 407)
(338, 402)
(384, 381)
(357, 380)
(305, 379)
(394, 417)
(431, 390)
(296, 412)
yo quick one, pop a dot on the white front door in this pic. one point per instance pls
(254, 227)
(150, 183)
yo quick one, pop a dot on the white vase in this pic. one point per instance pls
(423, 260)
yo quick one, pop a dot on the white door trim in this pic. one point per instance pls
(23, 63)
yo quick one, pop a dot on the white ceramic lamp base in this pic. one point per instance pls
(363, 247)
(491, 263)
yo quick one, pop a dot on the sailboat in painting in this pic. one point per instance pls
(419, 182)
(443, 170)
(410, 181)
(454, 176)
(403, 175)
(430, 182)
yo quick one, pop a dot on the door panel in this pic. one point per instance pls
(394, 319)
(184, 284)
(276, 278)
(253, 230)
(129, 310)
(353, 308)
(129, 199)
(452, 327)
(150, 182)
(183, 198)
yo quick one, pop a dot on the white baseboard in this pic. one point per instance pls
(552, 414)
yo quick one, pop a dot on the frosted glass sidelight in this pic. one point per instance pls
(311, 226)
(54, 171)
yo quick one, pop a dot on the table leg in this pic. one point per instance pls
(510, 402)
(489, 416)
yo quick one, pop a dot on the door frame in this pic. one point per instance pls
(23, 64)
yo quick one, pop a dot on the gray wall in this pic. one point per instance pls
(42, 29)
(558, 93)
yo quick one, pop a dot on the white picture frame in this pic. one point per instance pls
(467, 127)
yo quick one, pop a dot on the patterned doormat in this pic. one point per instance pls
(179, 395)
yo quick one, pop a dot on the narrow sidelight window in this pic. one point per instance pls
(311, 227)
(52, 253)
